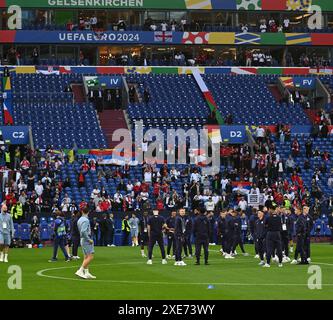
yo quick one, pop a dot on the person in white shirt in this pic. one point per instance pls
(286, 23)
(242, 204)
(148, 176)
(195, 176)
(245, 28)
(183, 24)
(263, 28)
(260, 134)
(95, 193)
(164, 26)
(153, 27)
(255, 190)
(224, 183)
(210, 205)
(39, 188)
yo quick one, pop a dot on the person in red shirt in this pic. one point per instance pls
(25, 166)
(295, 148)
(81, 179)
(85, 166)
(144, 187)
(83, 204)
(156, 190)
(159, 204)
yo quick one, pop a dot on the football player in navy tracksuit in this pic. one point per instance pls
(309, 225)
(285, 233)
(252, 222)
(170, 222)
(156, 225)
(273, 236)
(144, 238)
(259, 236)
(221, 227)
(180, 231)
(300, 227)
(188, 233)
(201, 230)
(237, 235)
(229, 234)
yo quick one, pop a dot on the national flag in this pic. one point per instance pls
(298, 39)
(7, 111)
(288, 82)
(247, 38)
(48, 70)
(198, 4)
(163, 36)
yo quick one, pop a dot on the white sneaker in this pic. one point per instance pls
(177, 263)
(89, 275)
(266, 265)
(280, 265)
(228, 256)
(294, 262)
(299, 260)
(164, 261)
(150, 262)
(1, 257)
(261, 263)
(133, 245)
(256, 256)
(76, 258)
(81, 274)
(276, 259)
(245, 254)
(168, 257)
(309, 260)
(112, 245)
(109, 245)
(182, 263)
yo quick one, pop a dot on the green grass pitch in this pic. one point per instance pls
(123, 274)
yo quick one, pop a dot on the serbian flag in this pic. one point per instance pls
(7, 111)
(7, 102)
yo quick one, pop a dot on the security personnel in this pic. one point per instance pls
(273, 236)
(180, 230)
(144, 232)
(300, 227)
(259, 236)
(188, 233)
(156, 225)
(7, 159)
(60, 237)
(229, 234)
(126, 229)
(221, 227)
(330, 225)
(237, 236)
(17, 211)
(201, 230)
(285, 231)
(309, 226)
(170, 222)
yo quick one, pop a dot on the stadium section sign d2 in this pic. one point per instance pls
(233, 134)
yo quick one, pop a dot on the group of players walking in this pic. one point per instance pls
(271, 233)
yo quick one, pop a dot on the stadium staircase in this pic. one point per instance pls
(78, 92)
(110, 121)
(275, 92)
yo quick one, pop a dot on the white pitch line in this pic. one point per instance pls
(40, 273)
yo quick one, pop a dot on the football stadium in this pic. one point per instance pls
(166, 150)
